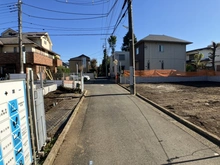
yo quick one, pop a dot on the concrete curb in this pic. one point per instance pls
(213, 138)
(52, 155)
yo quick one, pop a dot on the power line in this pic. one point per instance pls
(100, 2)
(92, 34)
(56, 29)
(73, 29)
(7, 22)
(63, 19)
(6, 4)
(119, 19)
(63, 11)
(10, 27)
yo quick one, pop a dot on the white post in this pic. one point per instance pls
(77, 70)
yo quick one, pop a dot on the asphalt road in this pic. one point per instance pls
(116, 128)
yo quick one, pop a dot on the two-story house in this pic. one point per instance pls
(82, 63)
(37, 52)
(119, 61)
(160, 52)
(206, 51)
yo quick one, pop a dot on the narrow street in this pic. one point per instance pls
(115, 128)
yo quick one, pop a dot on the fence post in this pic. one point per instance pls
(30, 111)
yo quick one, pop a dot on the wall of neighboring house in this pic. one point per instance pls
(123, 59)
(139, 57)
(72, 66)
(45, 43)
(206, 53)
(12, 48)
(217, 59)
(161, 55)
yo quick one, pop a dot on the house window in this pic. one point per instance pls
(191, 57)
(23, 48)
(121, 57)
(161, 48)
(137, 50)
(15, 49)
(162, 65)
(45, 42)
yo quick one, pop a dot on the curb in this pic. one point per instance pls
(52, 155)
(213, 138)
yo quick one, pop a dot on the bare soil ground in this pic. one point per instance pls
(54, 97)
(197, 102)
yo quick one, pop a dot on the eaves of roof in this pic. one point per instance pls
(79, 58)
(14, 40)
(162, 38)
(194, 50)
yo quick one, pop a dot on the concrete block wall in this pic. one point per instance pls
(214, 78)
(49, 88)
(71, 84)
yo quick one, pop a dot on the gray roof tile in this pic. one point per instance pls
(14, 40)
(163, 38)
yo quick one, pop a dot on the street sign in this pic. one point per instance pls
(15, 142)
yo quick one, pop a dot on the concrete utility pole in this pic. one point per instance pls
(132, 55)
(20, 36)
(106, 59)
(105, 48)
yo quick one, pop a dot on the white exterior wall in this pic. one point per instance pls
(173, 56)
(125, 63)
(206, 53)
(217, 58)
(45, 43)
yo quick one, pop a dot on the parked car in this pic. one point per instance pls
(75, 77)
(86, 77)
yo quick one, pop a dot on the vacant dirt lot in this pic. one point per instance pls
(197, 102)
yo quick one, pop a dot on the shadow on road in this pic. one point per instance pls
(191, 160)
(118, 94)
(101, 80)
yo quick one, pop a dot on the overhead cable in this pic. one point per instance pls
(63, 19)
(55, 29)
(63, 11)
(76, 29)
(90, 3)
(88, 34)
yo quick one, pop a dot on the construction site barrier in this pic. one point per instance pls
(171, 73)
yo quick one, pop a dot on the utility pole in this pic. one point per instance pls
(106, 55)
(20, 36)
(132, 55)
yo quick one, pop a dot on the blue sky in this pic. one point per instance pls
(81, 26)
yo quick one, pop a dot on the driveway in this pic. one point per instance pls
(115, 128)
